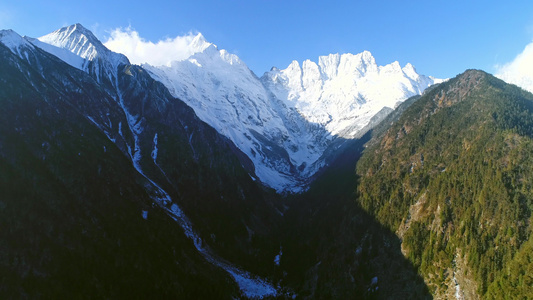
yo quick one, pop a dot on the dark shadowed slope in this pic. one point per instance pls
(72, 204)
(115, 140)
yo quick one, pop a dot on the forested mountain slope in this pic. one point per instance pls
(453, 177)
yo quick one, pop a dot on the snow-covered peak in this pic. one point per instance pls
(75, 38)
(409, 70)
(343, 91)
(199, 44)
(367, 56)
(392, 68)
(82, 42)
(347, 64)
(13, 41)
(199, 48)
(293, 67)
(219, 63)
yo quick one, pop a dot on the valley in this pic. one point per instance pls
(332, 180)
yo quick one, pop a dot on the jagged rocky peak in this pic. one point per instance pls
(335, 65)
(409, 70)
(77, 39)
(343, 91)
(82, 42)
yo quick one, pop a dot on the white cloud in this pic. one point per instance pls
(138, 50)
(520, 70)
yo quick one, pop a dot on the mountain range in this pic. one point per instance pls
(288, 122)
(199, 179)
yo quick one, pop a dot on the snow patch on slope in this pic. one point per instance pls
(75, 38)
(64, 54)
(154, 151)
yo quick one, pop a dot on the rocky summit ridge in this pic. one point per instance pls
(288, 122)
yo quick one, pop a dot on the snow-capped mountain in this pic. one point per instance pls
(77, 46)
(169, 147)
(342, 92)
(286, 120)
(228, 96)
(80, 48)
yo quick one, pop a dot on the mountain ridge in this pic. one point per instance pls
(288, 122)
(131, 109)
(281, 120)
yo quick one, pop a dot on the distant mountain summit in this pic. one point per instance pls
(78, 39)
(80, 48)
(342, 92)
(289, 121)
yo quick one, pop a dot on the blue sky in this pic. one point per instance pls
(440, 38)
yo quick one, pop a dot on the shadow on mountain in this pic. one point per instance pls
(72, 209)
(333, 249)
